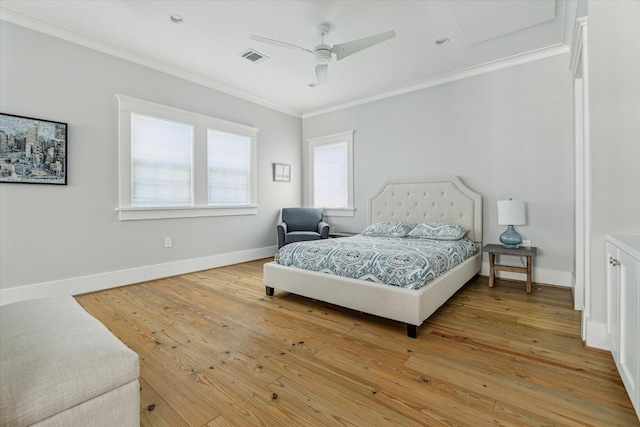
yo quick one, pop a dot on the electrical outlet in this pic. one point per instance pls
(526, 243)
(168, 242)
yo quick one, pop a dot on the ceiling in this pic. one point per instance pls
(207, 46)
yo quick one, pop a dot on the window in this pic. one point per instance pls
(331, 173)
(175, 163)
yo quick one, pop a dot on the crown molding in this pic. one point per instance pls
(31, 23)
(501, 64)
(577, 45)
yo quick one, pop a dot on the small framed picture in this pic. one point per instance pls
(32, 151)
(281, 172)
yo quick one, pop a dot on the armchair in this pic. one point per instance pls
(299, 224)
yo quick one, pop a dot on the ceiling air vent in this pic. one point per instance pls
(253, 56)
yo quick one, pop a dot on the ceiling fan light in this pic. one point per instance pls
(322, 55)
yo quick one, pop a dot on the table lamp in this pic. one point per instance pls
(510, 213)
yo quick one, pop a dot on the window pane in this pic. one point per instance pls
(229, 159)
(161, 158)
(330, 176)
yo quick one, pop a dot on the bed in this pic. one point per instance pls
(409, 200)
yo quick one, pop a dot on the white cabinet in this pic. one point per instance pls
(613, 288)
(623, 310)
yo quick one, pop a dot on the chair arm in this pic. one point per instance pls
(323, 230)
(282, 231)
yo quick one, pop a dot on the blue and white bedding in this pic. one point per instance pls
(407, 262)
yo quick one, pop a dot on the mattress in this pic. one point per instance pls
(405, 262)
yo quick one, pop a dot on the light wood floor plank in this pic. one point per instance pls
(154, 410)
(216, 351)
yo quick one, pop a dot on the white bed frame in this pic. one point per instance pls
(413, 201)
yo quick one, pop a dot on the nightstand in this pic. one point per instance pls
(527, 252)
(336, 234)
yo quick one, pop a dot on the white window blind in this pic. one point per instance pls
(161, 159)
(229, 168)
(330, 176)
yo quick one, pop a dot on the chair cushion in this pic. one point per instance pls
(300, 236)
(302, 219)
(53, 356)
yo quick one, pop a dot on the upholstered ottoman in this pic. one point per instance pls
(60, 366)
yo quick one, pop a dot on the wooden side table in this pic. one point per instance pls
(493, 250)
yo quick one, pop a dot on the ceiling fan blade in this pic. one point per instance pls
(321, 73)
(278, 43)
(345, 49)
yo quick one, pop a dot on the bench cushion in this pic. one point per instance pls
(54, 356)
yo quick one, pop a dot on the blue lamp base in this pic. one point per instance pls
(510, 238)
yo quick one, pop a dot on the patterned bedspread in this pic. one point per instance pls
(399, 261)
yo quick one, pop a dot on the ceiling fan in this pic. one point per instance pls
(323, 53)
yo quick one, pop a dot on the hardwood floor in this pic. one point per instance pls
(215, 351)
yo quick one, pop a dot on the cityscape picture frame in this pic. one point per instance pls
(32, 151)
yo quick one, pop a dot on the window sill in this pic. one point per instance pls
(134, 214)
(339, 212)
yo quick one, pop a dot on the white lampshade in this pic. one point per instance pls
(511, 212)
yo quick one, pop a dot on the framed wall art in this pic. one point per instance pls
(32, 151)
(281, 172)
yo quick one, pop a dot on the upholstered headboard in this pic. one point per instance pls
(430, 199)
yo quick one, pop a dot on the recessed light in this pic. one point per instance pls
(442, 41)
(175, 18)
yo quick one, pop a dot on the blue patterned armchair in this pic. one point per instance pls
(300, 224)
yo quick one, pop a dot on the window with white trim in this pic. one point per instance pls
(176, 164)
(331, 173)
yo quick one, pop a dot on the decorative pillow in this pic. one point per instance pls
(387, 228)
(439, 231)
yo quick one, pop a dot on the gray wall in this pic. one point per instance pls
(51, 233)
(507, 133)
(614, 91)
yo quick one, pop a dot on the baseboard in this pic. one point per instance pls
(114, 279)
(597, 335)
(548, 277)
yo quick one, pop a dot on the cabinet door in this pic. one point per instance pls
(629, 343)
(612, 298)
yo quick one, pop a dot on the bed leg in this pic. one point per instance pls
(412, 331)
(269, 291)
